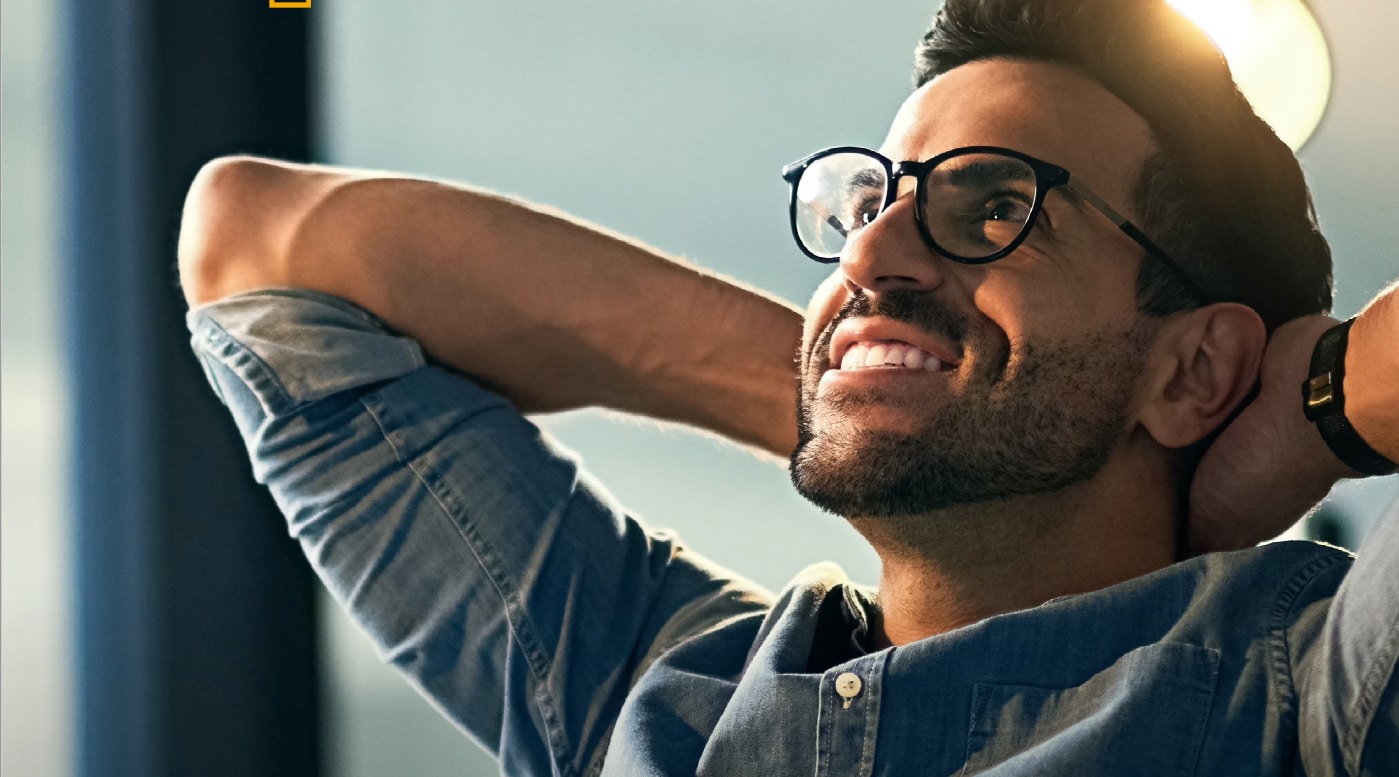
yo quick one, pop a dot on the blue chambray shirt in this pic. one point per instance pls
(569, 639)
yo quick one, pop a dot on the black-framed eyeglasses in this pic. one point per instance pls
(974, 204)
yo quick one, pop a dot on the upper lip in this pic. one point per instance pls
(872, 329)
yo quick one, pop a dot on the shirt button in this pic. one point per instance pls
(848, 685)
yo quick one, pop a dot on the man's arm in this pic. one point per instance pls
(553, 313)
(479, 557)
(1349, 688)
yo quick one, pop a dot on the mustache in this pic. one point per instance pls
(906, 306)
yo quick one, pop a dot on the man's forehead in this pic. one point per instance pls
(1046, 110)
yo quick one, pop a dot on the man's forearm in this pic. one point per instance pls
(551, 312)
(1372, 374)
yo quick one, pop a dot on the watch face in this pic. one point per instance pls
(1318, 394)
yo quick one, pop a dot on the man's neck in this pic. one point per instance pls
(961, 565)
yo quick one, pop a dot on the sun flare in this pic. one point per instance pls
(1278, 56)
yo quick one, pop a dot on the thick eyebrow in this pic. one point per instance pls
(986, 172)
(866, 179)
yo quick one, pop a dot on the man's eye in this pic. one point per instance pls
(863, 212)
(1006, 208)
(992, 221)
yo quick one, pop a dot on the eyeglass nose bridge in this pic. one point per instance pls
(901, 170)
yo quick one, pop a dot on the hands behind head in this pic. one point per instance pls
(1270, 466)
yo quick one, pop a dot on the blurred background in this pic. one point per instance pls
(156, 619)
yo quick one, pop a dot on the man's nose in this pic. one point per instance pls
(890, 253)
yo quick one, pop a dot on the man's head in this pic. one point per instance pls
(1221, 193)
(1055, 357)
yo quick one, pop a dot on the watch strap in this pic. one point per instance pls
(1324, 403)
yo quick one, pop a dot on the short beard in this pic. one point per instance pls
(1051, 420)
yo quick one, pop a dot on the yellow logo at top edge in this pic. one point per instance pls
(288, 3)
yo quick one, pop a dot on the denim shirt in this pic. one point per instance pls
(567, 638)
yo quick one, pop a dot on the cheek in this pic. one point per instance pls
(1061, 304)
(1004, 308)
(824, 305)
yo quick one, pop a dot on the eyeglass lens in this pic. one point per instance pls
(971, 205)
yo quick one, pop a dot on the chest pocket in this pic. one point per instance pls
(1145, 716)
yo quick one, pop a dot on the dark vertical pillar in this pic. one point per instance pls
(196, 632)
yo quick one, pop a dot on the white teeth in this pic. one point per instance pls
(854, 357)
(899, 355)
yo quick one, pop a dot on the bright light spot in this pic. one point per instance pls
(1278, 56)
(1229, 23)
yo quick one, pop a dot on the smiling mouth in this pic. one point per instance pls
(888, 355)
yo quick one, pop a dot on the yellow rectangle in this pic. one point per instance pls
(288, 3)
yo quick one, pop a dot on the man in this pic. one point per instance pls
(1056, 284)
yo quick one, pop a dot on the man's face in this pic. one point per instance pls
(1037, 353)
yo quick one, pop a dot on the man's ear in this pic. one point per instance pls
(1203, 363)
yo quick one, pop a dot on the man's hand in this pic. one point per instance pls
(1270, 465)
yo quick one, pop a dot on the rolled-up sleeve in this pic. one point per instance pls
(510, 589)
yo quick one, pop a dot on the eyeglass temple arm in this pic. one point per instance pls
(1140, 237)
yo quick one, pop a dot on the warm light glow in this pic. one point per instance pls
(1278, 56)
(1227, 22)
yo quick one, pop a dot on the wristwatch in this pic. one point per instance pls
(1325, 405)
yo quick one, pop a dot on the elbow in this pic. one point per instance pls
(230, 227)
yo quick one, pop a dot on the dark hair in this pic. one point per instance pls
(1224, 196)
